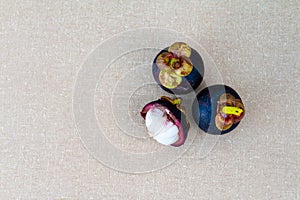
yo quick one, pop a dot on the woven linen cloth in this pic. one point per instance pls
(43, 44)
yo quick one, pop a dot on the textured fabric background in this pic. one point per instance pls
(255, 46)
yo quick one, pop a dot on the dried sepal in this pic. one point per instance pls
(163, 60)
(223, 123)
(183, 67)
(169, 79)
(180, 49)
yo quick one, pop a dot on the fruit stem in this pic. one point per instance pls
(230, 110)
(175, 101)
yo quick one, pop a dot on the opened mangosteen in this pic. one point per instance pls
(218, 109)
(178, 69)
(166, 121)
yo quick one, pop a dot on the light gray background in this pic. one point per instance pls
(254, 44)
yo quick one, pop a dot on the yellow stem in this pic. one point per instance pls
(230, 110)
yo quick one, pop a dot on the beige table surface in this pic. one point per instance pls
(43, 44)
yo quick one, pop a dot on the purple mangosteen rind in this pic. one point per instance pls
(178, 114)
(190, 82)
(205, 106)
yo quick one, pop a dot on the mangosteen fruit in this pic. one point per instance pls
(218, 109)
(166, 121)
(178, 69)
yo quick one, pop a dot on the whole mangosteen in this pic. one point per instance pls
(218, 109)
(178, 69)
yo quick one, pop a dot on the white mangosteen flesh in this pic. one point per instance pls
(160, 127)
